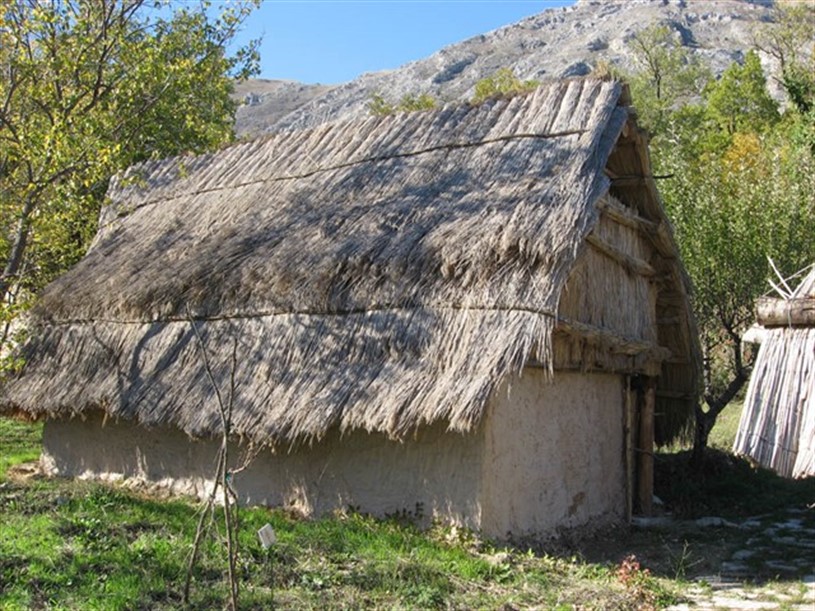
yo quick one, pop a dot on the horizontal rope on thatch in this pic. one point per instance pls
(356, 162)
(190, 317)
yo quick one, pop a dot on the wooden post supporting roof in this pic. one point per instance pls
(630, 449)
(645, 462)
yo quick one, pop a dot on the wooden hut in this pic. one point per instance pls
(777, 426)
(464, 309)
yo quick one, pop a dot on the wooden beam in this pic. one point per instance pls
(630, 454)
(631, 264)
(772, 312)
(616, 343)
(622, 214)
(672, 394)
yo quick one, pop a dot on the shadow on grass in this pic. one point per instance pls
(727, 486)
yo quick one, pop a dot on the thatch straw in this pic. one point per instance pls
(777, 427)
(379, 274)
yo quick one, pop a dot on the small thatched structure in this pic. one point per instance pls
(777, 427)
(461, 308)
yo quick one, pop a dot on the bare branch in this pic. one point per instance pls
(223, 474)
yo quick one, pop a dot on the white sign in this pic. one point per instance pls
(267, 536)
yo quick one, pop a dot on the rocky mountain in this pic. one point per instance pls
(556, 43)
(264, 103)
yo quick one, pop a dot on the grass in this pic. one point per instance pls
(19, 442)
(723, 433)
(73, 544)
(727, 486)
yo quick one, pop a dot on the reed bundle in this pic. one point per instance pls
(777, 427)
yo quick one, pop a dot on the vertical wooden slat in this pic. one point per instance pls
(630, 459)
(645, 471)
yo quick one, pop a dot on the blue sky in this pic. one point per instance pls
(332, 41)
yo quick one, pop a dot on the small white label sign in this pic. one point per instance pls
(267, 536)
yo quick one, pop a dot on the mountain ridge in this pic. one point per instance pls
(556, 43)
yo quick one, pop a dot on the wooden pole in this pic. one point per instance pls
(772, 312)
(630, 456)
(645, 471)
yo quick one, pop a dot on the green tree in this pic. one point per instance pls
(739, 100)
(88, 87)
(666, 74)
(740, 189)
(789, 41)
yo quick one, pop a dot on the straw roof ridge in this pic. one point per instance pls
(151, 173)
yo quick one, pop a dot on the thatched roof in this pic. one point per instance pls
(777, 427)
(379, 274)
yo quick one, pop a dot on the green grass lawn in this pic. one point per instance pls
(80, 545)
(19, 442)
(723, 433)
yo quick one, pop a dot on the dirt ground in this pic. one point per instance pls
(760, 562)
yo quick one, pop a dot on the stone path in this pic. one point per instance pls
(737, 596)
(773, 569)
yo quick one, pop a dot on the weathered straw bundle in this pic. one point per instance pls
(379, 274)
(777, 426)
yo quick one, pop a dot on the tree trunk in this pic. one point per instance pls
(704, 424)
(706, 419)
(15, 258)
(716, 403)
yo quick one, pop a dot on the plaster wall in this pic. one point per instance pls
(546, 456)
(554, 454)
(438, 471)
